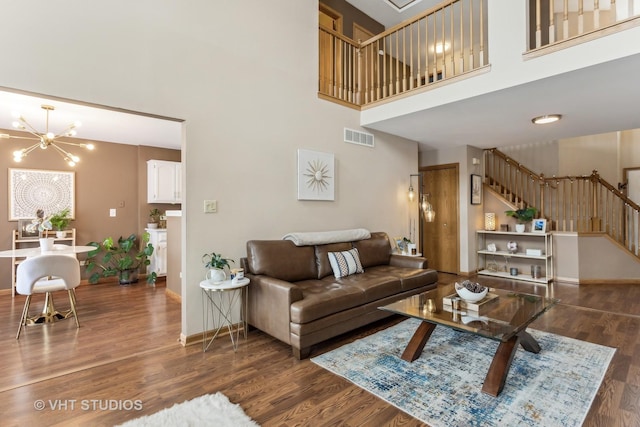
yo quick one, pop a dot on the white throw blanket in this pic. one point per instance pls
(324, 237)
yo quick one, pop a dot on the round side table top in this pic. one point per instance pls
(225, 285)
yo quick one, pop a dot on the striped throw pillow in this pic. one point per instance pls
(345, 263)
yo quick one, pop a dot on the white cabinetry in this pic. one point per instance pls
(164, 181)
(500, 262)
(158, 238)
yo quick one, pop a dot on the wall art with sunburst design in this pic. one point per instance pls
(316, 175)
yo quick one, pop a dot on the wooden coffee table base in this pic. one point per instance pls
(500, 365)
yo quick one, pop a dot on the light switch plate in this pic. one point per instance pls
(112, 212)
(210, 206)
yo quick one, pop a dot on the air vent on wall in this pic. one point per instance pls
(357, 137)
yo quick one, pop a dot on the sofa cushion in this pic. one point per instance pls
(321, 298)
(282, 260)
(322, 259)
(375, 283)
(374, 251)
(410, 278)
(345, 263)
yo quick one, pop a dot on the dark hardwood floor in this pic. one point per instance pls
(127, 350)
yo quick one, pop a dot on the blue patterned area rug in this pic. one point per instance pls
(443, 387)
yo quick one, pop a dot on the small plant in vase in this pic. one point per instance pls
(41, 224)
(154, 218)
(522, 217)
(60, 221)
(216, 264)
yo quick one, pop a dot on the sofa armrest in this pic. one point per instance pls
(408, 261)
(270, 302)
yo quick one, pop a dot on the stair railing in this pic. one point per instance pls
(585, 203)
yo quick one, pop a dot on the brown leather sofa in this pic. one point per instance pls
(294, 296)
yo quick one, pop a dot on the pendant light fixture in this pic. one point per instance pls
(46, 139)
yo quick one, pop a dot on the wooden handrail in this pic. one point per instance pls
(585, 203)
(556, 22)
(410, 55)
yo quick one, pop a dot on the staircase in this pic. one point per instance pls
(582, 204)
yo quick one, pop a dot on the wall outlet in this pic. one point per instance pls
(210, 206)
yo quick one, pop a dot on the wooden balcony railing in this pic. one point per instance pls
(556, 21)
(443, 42)
(584, 203)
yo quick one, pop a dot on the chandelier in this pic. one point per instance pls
(47, 139)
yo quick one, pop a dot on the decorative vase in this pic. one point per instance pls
(46, 244)
(520, 228)
(61, 234)
(152, 225)
(216, 275)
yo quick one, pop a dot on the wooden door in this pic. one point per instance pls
(440, 237)
(330, 60)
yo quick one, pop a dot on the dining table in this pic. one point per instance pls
(49, 313)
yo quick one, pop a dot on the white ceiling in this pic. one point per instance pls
(98, 124)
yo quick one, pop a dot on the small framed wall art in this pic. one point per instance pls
(476, 189)
(316, 175)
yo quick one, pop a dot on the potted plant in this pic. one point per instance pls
(154, 218)
(60, 221)
(216, 264)
(522, 216)
(123, 259)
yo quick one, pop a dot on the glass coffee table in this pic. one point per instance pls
(502, 316)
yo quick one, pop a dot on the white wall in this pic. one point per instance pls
(247, 93)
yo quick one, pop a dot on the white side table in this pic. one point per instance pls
(217, 301)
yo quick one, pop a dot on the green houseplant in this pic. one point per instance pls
(154, 218)
(123, 259)
(60, 221)
(216, 264)
(522, 216)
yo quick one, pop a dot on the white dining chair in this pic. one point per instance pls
(45, 274)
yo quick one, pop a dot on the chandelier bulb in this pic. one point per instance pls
(75, 159)
(90, 146)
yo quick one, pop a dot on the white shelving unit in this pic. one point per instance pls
(502, 258)
(18, 243)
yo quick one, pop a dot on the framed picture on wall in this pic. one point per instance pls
(33, 189)
(476, 189)
(316, 175)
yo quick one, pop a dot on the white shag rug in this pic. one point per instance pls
(208, 410)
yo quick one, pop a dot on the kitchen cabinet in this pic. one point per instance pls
(164, 181)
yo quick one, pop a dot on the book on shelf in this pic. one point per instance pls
(478, 306)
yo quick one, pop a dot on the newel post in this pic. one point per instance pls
(596, 222)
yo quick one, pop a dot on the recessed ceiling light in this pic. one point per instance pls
(549, 118)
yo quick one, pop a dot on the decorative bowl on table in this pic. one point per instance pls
(470, 291)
